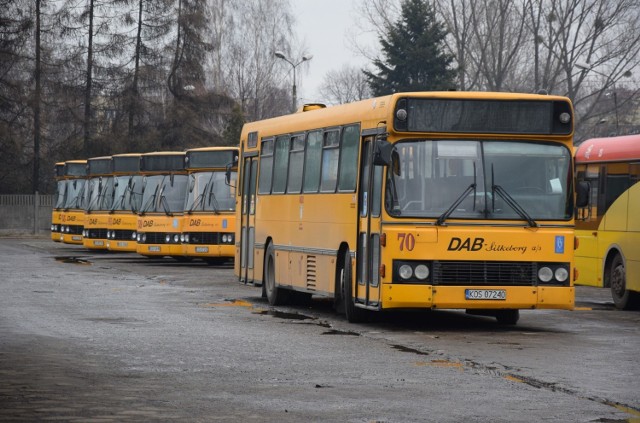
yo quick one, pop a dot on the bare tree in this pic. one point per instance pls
(345, 85)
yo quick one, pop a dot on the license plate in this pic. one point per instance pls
(154, 248)
(76, 238)
(485, 294)
(202, 249)
(122, 244)
(98, 243)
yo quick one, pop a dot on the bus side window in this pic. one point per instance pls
(312, 162)
(280, 164)
(266, 167)
(349, 158)
(296, 162)
(330, 157)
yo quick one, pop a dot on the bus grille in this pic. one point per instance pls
(508, 273)
(123, 235)
(155, 238)
(97, 233)
(207, 238)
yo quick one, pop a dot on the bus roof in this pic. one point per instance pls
(611, 149)
(100, 165)
(211, 157)
(378, 111)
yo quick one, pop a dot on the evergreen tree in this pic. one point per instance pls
(414, 51)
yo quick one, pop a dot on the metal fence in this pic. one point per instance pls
(26, 213)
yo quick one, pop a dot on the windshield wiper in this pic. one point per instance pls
(511, 202)
(150, 201)
(444, 216)
(165, 205)
(514, 204)
(196, 203)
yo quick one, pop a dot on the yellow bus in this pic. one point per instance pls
(99, 200)
(127, 198)
(160, 216)
(75, 173)
(425, 200)
(58, 206)
(608, 228)
(208, 230)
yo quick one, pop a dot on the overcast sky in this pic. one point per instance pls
(324, 27)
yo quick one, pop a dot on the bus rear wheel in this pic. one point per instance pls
(622, 297)
(275, 295)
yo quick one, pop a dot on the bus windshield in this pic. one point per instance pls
(164, 193)
(75, 194)
(61, 191)
(510, 180)
(121, 193)
(209, 191)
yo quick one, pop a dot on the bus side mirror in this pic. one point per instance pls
(227, 173)
(382, 152)
(582, 190)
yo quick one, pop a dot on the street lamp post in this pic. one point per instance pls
(280, 55)
(588, 68)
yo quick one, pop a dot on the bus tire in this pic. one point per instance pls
(623, 299)
(275, 295)
(353, 313)
(508, 317)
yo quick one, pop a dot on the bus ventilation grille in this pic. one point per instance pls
(312, 268)
(508, 273)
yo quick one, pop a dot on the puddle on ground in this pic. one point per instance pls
(72, 259)
(340, 332)
(284, 315)
(408, 350)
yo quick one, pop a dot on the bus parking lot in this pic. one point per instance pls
(103, 336)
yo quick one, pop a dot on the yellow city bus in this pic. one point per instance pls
(608, 228)
(160, 216)
(431, 200)
(127, 198)
(75, 173)
(208, 230)
(58, 206)
(99, 200)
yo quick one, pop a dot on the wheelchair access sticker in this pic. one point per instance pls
(559, 244)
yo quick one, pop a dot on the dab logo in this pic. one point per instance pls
(468, 244)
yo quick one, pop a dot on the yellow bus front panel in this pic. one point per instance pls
(209, 235)
(95, 231)
(121, 231)
(471, 268)
(159, 235)
(56, 223)
(72, 227)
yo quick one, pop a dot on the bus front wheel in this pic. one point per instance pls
(622, 297)
(275, 295)
(353, 313)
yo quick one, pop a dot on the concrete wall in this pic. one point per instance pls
(25, 213)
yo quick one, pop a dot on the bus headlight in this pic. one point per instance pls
(134, 236)
(411, 271)
(167, 238)
(545, 274)
(422, 272)
(186, 238)
(561, 274)
(176, 238)
(405, 272)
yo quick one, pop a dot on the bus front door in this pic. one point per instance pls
(247, 219)
(368, 249)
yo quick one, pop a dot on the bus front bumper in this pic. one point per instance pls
(405, 296)
(226, 251)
